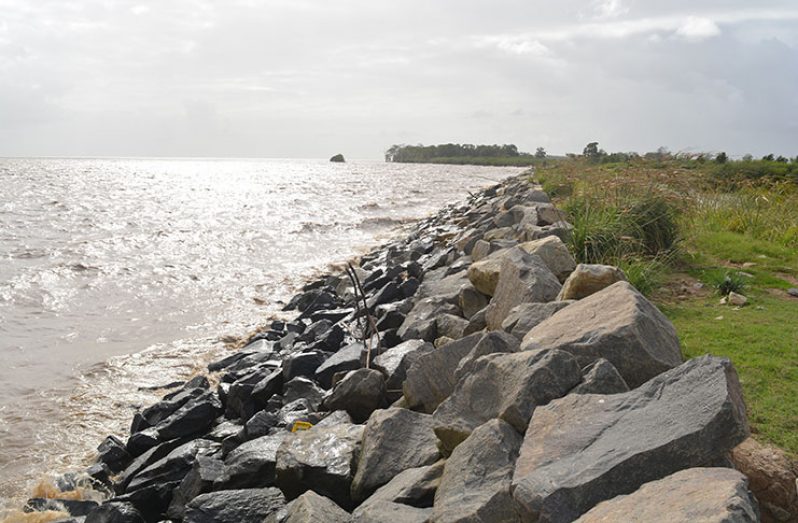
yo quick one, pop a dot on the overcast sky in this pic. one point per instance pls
(310, 78)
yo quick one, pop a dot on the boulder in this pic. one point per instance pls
(268, 386)
(446, 288)
(773, 478)
(523, 278)
(699, 494)
(589, 279)
(471, 301)
(360, 393)
(526, 316)
(430, 377)
(113, 453)
(413, 487)
(484, 274)
(73, 507)
(234, 506)
(302, 387)
(114, 512)
(554, 253)
(261, 424)
(617, 324)
(421, 320)
(476, 480)
(490, 343)
(173, 467)
(196, 416)
(450, 326)
(601, 377)
(199, 480)
(346, 359)
(322, 459)
(583, 449)
(310, 508)
(394, 362)
(505, 386)
(302, 364)
(394, 441)
(478, 322)
(252, 464)
(482, 248)
(387, 512)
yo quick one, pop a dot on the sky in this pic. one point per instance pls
(311, 78)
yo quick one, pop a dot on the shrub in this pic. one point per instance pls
(731, 282)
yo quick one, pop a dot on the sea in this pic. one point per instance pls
(120, 275)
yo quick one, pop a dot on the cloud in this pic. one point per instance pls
(696, 29)
(609, 8)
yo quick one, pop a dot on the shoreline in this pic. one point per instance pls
(476, 284)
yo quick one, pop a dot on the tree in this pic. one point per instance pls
(591, 150)
(721, 157)
(540, 153)
(769, 157)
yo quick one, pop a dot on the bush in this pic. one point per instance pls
(731, 282)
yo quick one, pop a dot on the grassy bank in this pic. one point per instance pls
(685, 228)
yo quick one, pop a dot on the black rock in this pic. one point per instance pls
(360, 393)
(259, 425)
(346, 359)
(390, 292)
(268, 386)
(252, 464)
(409, 287)
(302, 364)
(113, 453)
(199, 480)
(234, 506)
(391, 320)
(74, 507)
(302, 387)
(329, 340)
(194, 417)
(114, 512)
(142, 441)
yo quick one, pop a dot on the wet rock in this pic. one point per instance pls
(100, 474)
(310, 508)
(114, 512)
(409, 287)
(570, 459)
(391, 320)
(450, 326)
(617, 324)
(601, 377)
(506, 386)
(328, 340)
(414, 487)
(333, 315)
(490, 343)
(113, 453)
(234, 506)
(773, 478)
(470, 492)
(471, 301)
(302, 387)
(360, 393)
(322, 459)
(223, 431)
(268, 386)
(199, 480)
(386, 294)
(145, 460)
(430, 378)
(240, 401)
(523, 278)
(196, 416)
(173, 467)
(142, 441)
(526, 316)
(297, 410)
(589, 279)
(313, 300)
(394, 440)
(73, 507)
(158, 412)
(698, 494)
(302, 364)
(346, 359)
(394, 363)
(421, 320)
(259, 425)
(251, 464)
(554, 253)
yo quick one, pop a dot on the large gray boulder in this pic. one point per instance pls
(471, 301)
(252, 464)
(394, 440)
(387, 512)
(394, 362)
(601, 377)
(492, 342)
(322, 459)
(199, 480)
(476, 479)
(310, 508)
(430, 378)
(523, 278)
(526, 316)
(554, 253)
(618, 324)
(420, 322)
(446, 288)
(584, 449)
(588, 279)
(414, 487)
(234, 506)
(708, 495)
(360, 393)
(506, 386)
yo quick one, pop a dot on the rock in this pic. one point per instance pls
(548, 214)
(73, 507)
(394, 362)
(252, 464)
(738, 300)
(387, 512)
(523, 278)
(199, 480)
(482, 248)
(196, 416)
(389, 293)
(114, 512)
(173, 467)
(394, 441)
(421, 320)
(145, 460)
(338, 158)
(490, 343)
(450, 326)
(302, 387)
(601, 377)
(477, 322)
(484, 274)
(142, 441)
(113, 453)
(476, 480)
(471, 301)
(302, 364)
(158, 412)
(268, 386)
(234, 506)
(360, 393)
(526, 316)
(589, 279)
(414, 487)
(617, 324)
(392, 319)
(505, 386)
(698, 494)
(310, 508)
(583, 449)
(793, 292)
(297, 410)
(773, 478)
(346, 359)
(430, 378)
(260, 425)
(322, 459)
(446, 288)
(554, 253)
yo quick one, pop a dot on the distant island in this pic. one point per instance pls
(454, 153)
(338, 158)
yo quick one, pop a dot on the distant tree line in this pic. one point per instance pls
(427, 153)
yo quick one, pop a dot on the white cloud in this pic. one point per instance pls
(697, 28)
(140, 9)
(609, 8)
